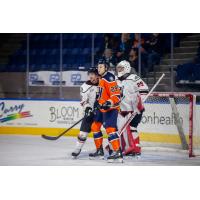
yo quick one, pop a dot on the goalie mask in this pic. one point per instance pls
(123, 68)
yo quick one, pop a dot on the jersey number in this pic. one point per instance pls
(99, 93)
(114, 88)
(140, 84)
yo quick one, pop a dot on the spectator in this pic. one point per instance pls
(143, 52)
(133, 58)
(136, 43)
(198, 51)
(109, 57)
(188, 72)
(154, 46)
(124, 47)
(110, 42)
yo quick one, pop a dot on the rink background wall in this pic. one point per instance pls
(47, 116)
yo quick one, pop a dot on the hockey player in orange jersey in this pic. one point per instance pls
(108, 100)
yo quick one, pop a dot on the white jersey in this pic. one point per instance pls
(88, 92)
(133, 89)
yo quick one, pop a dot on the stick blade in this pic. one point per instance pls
(49, 137)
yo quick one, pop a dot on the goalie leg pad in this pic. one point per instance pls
(122, 142)
(136, 139)
(136, 120)
(131, 148)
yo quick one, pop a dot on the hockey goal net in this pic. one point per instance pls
(173, 118)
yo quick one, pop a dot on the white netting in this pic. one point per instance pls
(160, 120)
(196, 130)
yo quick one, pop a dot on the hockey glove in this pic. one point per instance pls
(107, 105)
(88, 111)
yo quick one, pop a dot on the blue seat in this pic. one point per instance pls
(32, 68)
(22, 68)
(86, 51)
(68, 44)
(87, 65)
(54, 51)
(65, 67)
(45, 49)
(54, 67)
(197, 72)
(66, 51)
(33, 52)
(75, 51)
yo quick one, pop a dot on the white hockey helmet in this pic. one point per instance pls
(125, 68)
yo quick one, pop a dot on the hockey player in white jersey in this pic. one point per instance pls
(88, 92)
(133, 90)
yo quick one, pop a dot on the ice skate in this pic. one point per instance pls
(75, 153)
(109, 150)
(116, 157)
(98, 154)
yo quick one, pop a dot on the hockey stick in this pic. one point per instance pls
(57, 137)
(134, 114)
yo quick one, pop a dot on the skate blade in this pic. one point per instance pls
(119, 160)
(138, 157)
(132, 156)
(97, 158)
(74, 157)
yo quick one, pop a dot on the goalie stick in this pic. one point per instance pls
(57, 137)
(134, 114)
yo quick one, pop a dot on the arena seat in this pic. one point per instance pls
(44, 52)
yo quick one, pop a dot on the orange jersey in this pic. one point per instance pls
(109, 90)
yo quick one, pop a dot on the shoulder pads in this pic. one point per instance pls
(109, 77)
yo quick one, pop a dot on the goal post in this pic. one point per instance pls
(182, 109)
(178, 123)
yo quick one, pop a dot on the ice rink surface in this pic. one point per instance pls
(18, 150)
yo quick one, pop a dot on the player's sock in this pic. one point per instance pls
(113, 138)
(79, 144)
(98, 139)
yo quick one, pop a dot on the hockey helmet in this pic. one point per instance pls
(93, 70)
(125, 68)
(104, 62)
